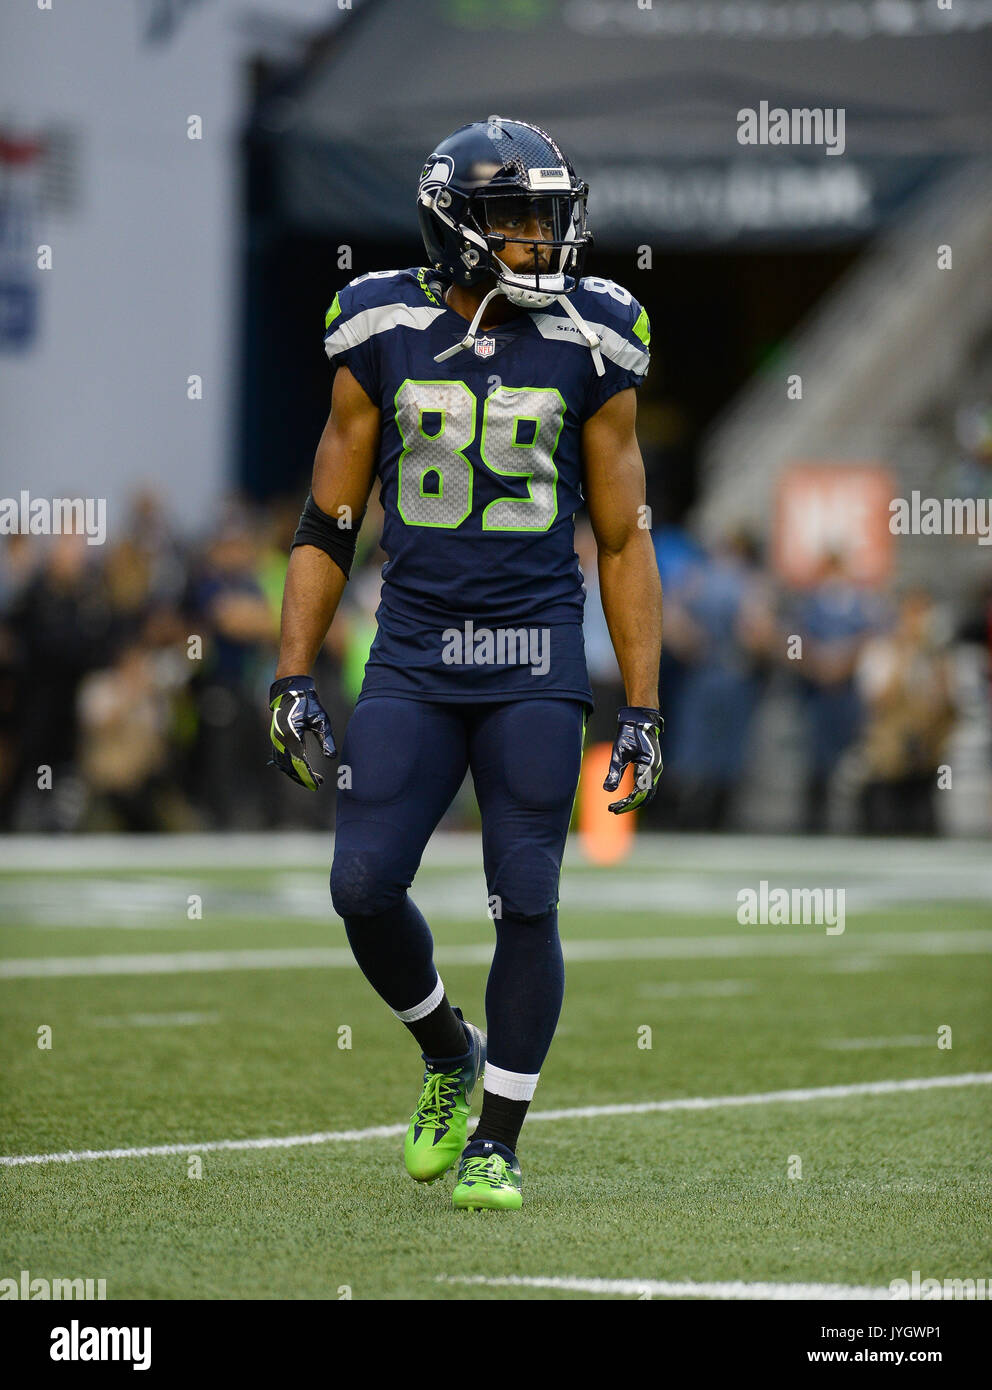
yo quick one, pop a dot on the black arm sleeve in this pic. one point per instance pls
(327, 534)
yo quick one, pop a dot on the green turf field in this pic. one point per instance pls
(164, 1032)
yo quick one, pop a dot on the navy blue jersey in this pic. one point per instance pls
(481, 474)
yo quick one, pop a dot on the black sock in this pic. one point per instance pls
(501, 1119)
(440, 1033)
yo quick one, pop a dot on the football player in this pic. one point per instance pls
(492, 391)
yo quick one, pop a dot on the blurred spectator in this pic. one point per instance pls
(20, 559)
(676, 552)
(149, 527)
(719, 624)
(127, 589)
(124, 750)
(239, 625)
(834, 619)
(905, 680)
(970, 475)
(60, 627)
(604, 673)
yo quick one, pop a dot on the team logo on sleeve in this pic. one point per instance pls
(485, 347)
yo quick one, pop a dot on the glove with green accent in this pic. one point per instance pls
(637, 743)
(295, 710)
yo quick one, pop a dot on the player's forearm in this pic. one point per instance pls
(314, 585)
(630, 589)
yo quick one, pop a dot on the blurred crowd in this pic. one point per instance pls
(134, 679)
(867, 679)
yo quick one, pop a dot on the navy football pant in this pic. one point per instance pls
(407, 759)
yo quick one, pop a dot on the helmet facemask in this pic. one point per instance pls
(505, 218)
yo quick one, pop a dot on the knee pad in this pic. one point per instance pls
(364, 883)
(526, 886)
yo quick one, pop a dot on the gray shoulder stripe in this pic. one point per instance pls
(381, 319)
(612, 344)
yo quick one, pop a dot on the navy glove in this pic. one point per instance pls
(637, 744)
(296, 709)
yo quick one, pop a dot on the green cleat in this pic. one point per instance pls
(489, 1178)
(439, 1125)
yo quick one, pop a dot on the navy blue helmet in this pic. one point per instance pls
(500, 159)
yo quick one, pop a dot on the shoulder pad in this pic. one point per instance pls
(415, 286)
(618, 318)
(607, 302)
(380, 300)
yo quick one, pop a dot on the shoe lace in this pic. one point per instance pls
(490, 1171)
(437, 1100)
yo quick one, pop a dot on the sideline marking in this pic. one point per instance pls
(293, 1141)
(685, 1288)
(922, 943)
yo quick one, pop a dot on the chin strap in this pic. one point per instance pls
(469, 339)
(592, 341)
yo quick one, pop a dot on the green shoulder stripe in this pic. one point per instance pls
(422, 282)
(642, 328)
(332, 312)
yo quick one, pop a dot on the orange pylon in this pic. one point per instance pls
(604, 837)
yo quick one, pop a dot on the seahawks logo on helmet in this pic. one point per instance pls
(436, 173)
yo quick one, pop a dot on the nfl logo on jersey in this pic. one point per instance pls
(485, 347)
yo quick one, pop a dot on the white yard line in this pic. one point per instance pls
(662, 1288)
(794, 941)
(179, 962)
(158, 902)
(297, 849)
(666, 853)
(695, 989)
(651, 1107)
(289, 1141)
(803, 1093)
(179, 1020)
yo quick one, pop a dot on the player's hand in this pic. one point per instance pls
(296, 709)
(637, 743)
